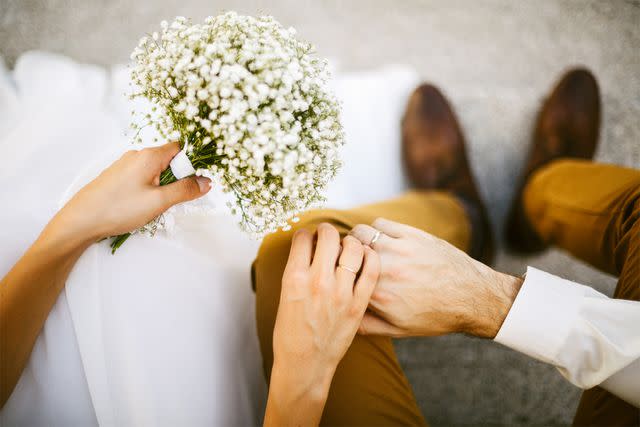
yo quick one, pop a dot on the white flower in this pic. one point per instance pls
(252, 103)
(173, 92)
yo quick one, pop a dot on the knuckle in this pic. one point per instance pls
(394, 273)
(164, 196)
(378, 221)
(295, 277)
(129, 154)
(404, 250)
(338, 298)
(192, 186)
(358, 230)
(321, 282)
(174, 145)
(301, 233)
(146, 153)
(351, 241)
(187, 187)
(353, 245)
(327, 229)
(323, 226)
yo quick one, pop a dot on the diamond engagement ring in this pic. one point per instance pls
(375, 237)
(348, 269)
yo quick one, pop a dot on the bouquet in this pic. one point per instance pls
(249, 104)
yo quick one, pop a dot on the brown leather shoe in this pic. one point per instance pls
(435, 158)
(567, 126)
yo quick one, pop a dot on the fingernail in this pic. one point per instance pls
(203, 183)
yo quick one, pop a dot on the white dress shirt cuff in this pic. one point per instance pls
(591, 339)
(541, 316)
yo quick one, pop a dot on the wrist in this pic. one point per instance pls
(494, 296)
(309, 383)
(297, 395)
(67, 234)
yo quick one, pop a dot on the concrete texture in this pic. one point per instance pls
(496, 60)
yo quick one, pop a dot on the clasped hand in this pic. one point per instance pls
(125, 196)
(429, 287)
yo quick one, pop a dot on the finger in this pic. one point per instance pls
(327, 248)
(184, 190)
(164, 154)
(368, 279)
(301, 250)
(352, 253)
(392, 228)
(373, 325)
(349, 263)
(366, 233)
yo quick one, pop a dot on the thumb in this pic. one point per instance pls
(185, 189)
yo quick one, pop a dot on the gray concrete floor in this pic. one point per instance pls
(496, 60)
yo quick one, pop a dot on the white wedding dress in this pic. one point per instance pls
(162, 332)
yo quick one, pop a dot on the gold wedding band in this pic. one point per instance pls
(348, 269)
(375, 237)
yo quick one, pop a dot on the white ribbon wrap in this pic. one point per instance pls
(181, 165)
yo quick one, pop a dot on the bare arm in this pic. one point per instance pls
(28, 292)
(124, 197)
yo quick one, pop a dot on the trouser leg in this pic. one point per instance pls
(592, 211)
(369, 386)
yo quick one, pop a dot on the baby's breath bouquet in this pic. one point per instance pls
(249, 105)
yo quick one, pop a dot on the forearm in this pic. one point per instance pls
(27, 294)
(296, 396)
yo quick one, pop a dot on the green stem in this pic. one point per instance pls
(166, 177)
(118, 241)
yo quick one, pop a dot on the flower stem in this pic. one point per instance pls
(166, 177)
(118, 241)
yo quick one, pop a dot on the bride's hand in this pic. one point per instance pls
(124, 197)
(127, 195)
(323, 299)
(429, 287)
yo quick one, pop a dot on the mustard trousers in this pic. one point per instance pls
(591, 210)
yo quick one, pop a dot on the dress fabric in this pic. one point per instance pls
(163, 332)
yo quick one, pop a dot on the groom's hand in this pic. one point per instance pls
(429, 287)
(127, 195)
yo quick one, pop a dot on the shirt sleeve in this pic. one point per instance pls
(591, 339)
